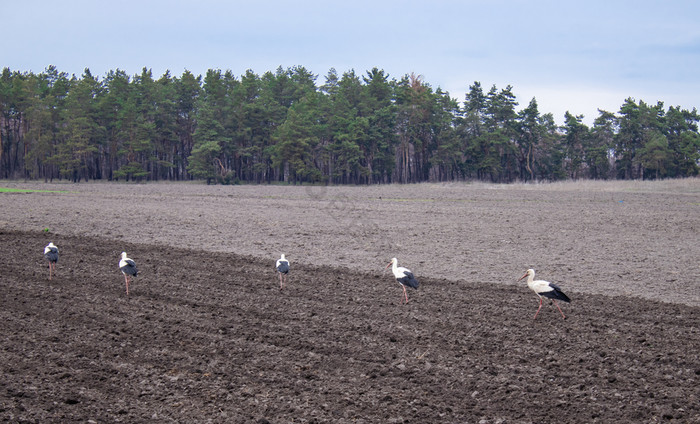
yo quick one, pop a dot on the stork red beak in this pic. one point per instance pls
(522, 277)
(387, 267)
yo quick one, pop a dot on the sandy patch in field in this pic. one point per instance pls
(617, 238)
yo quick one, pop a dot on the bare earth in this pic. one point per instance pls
(207, 336)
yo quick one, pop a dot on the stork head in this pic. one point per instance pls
(282, 257)
(394, 261)
(529, 272)
(50, 245)
(123, 255)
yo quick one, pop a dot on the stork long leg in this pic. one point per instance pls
(560, 311)
(126, 280)
(538, 309)
(404, 293)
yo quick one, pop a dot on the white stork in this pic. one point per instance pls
(128, 268)
(51, 255)
(545, 289)
(282, 266)
(404, 276)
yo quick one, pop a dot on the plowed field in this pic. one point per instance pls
(206, 334)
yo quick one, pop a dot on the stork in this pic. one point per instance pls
(404, 276)
(51, 255)
(545, 289)
(128, 268)
(282, 266)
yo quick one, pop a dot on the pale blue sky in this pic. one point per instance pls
(575, 56)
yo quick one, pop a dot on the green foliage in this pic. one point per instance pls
(131, 171)
(351, 129)
(577, 138)
(655, 155)
(297, 142)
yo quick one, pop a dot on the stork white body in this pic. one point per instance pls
(404, 276)
(546, 289)
(128, 268)
(282, 266)
(51, 255)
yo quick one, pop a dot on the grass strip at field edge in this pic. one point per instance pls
(27, 190)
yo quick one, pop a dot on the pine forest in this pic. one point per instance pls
(288, 126)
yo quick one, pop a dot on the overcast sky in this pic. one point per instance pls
(575, 56)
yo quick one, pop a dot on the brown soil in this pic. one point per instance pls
(207, 335)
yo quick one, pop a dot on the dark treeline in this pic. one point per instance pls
(352, 129)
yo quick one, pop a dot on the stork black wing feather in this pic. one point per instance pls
(556, 294)
(409, 280)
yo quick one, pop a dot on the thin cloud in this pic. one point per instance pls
(569, 56)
